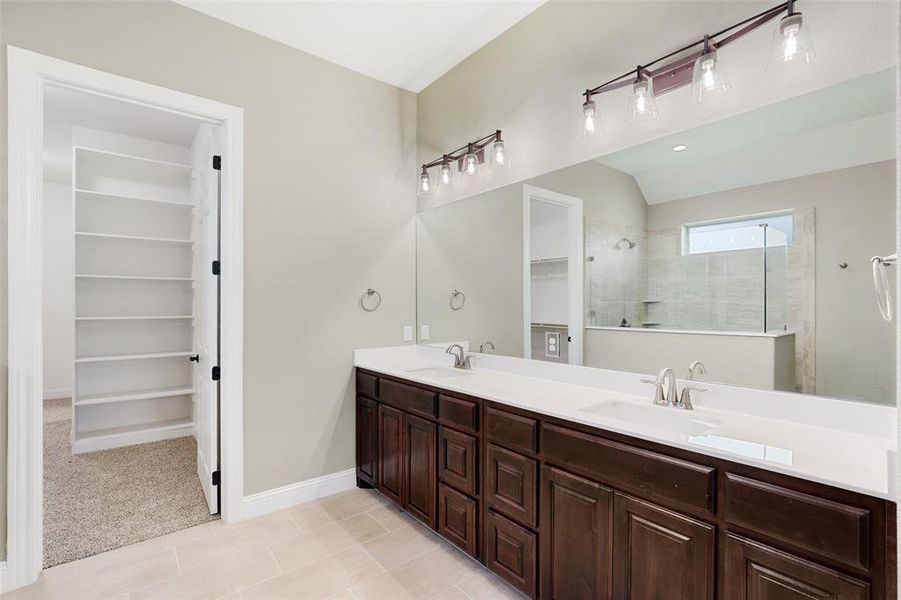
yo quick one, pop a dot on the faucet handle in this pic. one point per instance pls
(685, 398)
(658, 392)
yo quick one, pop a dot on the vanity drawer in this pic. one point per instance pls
(513, 431)
(511, 552)
(457, 519)
(457, 412)
(511, 485)
(457, 459)
(830, 529)
(367, 385)
(408, 397)
(647, 474)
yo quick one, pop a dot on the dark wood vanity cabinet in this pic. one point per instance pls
(564, 511)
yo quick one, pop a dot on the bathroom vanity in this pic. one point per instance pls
(568, 491)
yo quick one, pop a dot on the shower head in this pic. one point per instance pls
(624, 243)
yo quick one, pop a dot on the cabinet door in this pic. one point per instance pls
(367, 440)
(575, 537)
(658, 553)
(391, 453)
(420, 472)
(757, 572)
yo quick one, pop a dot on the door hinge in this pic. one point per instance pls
(216, 477)
(216, 373)
(215, 267)
(217, 162)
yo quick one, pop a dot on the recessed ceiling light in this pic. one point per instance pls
(680, 148)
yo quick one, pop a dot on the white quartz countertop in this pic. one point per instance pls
(845, 444)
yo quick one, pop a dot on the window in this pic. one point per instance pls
(744, 233)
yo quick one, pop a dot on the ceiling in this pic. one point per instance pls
(844, 125)
(406, 44)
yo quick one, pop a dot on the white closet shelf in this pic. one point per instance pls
(131, 277)
(115, 357)
(132, 396)
(556, 259)
(136, 318)
(138, 238)
(121, 157)
(126, 197)
(170, 425)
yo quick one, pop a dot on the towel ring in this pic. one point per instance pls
(454, 295)
(370, 292)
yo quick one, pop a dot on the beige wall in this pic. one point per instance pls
(855, 219)
(329, 196)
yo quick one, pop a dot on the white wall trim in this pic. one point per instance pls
(28, 74)
(576, 230)
(52, 394)
(3, 588)
(287, 496)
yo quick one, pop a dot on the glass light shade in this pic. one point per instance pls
(471, 165)
(642, 104)
(792, 44)
(708, 79)
(446, 175)
(590, 125)
(499, 156)
(425, 185)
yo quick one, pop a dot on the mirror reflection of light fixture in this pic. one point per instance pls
(446, 174)
(425, 186)
(792, 44)
(642, 104)
(708, 79)
(467, 160)
(700, 68)
(590, 125)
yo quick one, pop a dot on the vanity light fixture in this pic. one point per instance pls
(701, 68)
(466, 160)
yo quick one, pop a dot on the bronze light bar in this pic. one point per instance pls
(659, 76)
(467, 159)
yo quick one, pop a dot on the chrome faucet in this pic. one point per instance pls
(685, 398)
(665, 387)
(486, 346)
(461, 359)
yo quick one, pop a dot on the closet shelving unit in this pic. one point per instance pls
(134, 286)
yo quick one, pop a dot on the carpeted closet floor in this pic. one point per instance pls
(98, 501)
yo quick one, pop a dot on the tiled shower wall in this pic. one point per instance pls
(654, 284)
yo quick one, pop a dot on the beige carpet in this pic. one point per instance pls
(98, 501)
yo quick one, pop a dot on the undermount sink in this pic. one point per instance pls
(663, 418)
(439, 372)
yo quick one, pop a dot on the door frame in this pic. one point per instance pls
(575, 276)
(28, 75)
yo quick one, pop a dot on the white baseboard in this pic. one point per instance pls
(287, 496)
(57, 393)
(3, 578)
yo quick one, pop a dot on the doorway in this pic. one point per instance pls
(125, 348)
(553, 235)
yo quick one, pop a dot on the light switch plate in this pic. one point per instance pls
(424, 332)
(408, 333)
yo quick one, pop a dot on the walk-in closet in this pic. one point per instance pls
(130, 318)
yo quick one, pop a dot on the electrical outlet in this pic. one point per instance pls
(552, 344)
(424, 333)
(408, 333)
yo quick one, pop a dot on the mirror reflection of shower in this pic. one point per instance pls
(624, 244)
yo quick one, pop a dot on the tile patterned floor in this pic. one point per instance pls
(351, 546)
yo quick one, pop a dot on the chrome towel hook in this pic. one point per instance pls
(457, 300)
(367, 294)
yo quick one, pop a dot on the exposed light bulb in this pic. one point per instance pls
(709, 78)
(425, 185)
(471, 164)
(499, 156)
(590, 125)
(680, 148)
(792, 44)
(446, 175)
(642, 104)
